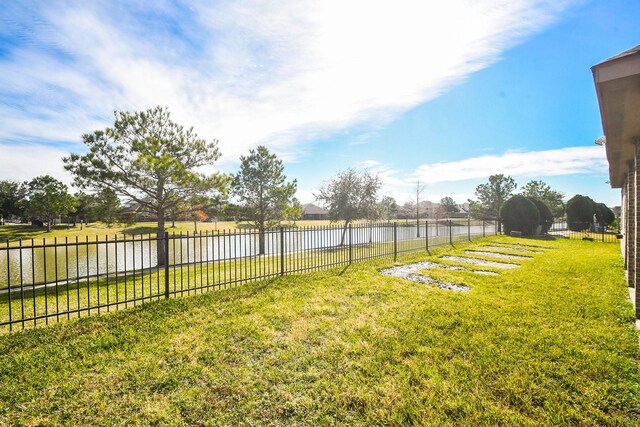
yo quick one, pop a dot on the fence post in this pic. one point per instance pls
(483, 228)
(395, 241)
(426, 234)
(281, 250)
(166, 264)
(450, 232)
(350, 245)
(469, 227)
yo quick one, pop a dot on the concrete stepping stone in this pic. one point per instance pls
(522, 245)
(459, 268)
(420, 278)
(480, 262)
(497, 255)
(426, 265)
(514, 249)
(409, 272)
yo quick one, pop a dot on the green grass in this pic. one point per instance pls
(82, 297)
(549, 343)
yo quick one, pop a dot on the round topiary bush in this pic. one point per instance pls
(580, 211)
(604, 215)
(546, 217)
(520, 214)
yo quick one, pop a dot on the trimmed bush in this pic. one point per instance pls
(520, 214)
(546, 217)
(580, 211)
(604, 215)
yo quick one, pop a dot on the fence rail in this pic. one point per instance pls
(583, 230)
(50, 282)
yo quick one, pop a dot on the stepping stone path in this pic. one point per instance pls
(498, 255)
(410, 271)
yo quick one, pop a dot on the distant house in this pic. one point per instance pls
(463, 211)
(135, 211)
(312, 211)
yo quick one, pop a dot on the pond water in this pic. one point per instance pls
(76, 260)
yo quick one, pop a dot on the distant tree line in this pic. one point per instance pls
(534, 209)
(147, 166)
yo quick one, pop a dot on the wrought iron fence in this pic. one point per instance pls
(49, 282)
(583, 230)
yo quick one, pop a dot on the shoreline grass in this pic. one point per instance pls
(13, 233)
(549, 343)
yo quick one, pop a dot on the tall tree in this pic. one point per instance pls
(197, 215)
(148, 158)
(448, 206)
(491, 196)
(477, 211)
(293, 212)
(85, 207)
(261, 187)
(349, 196)
(540, 190)
(107, 206)
(12, 199)
(48, 199)
(406, 211)
(388, 207)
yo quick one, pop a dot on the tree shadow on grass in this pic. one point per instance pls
(546, 237)
(15, 232)
(344, 270)
(143, 229)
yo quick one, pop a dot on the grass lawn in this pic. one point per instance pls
(549, 343)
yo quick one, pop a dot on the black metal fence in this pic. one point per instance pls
(583, 231)
(49, 282)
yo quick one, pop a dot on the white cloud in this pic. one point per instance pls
(306, 196)
(564, 161)
(458, 179)
(24, 162)
(277, 73)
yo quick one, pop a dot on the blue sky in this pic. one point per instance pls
(442, 92)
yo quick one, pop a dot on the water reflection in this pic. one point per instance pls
(87, 259)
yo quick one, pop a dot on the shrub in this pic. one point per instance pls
(546, 217)
(580, 211)
(520, 214)
(604, 215)
(614, 226)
